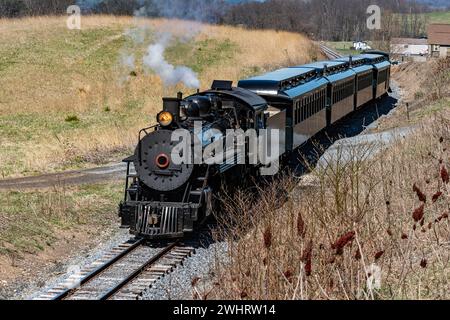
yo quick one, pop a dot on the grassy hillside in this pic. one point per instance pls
(67, 101)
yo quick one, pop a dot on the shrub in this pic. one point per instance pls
(72, 118)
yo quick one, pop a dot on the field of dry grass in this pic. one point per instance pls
(365, 229)
(373, 227)
(425, 90)
(66, 100)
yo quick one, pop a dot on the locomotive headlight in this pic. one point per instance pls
(165, 118)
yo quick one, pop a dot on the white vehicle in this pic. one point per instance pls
(361, 46)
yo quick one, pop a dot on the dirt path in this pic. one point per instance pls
(78, 177)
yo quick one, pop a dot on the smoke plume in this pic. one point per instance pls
(128, 61)
(183, 31)
(191, 12)
(169, 74)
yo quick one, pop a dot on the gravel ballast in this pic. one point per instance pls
(178, 285)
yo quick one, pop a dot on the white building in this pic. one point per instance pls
(415, 49)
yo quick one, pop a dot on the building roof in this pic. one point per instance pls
(439, 34)
(409, 41)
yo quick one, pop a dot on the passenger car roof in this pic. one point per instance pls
(273, 83)
(359, 63)
(285, 84)
(281, 74)
(249, 98)
(321, 64)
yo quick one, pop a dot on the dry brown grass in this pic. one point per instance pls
(48, 73)
(423, 81)
(345, 223)
(425, 90)
(40, 230)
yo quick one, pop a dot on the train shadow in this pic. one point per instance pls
(350, 126)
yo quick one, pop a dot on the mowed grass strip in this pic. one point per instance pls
(343, 47)
(439, 17)
(67, 101)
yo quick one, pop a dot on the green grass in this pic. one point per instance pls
(439, 17)
(435, 17)
(29, 220)
(85, 50)
(202, 54)
(28, 127)
(343, 47)
(18, 131)
(251, 72)
(436, 107)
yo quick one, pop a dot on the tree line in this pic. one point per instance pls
(204, 10)
(19, 8)
(335, 20)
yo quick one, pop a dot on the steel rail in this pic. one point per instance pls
(330, 53)
(138, 271)
(96, 272)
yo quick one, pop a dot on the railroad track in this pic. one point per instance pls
(123, 273)
(330, 53)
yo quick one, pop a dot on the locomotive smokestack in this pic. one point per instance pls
(172, 105)
(180, 95)
(350, 60)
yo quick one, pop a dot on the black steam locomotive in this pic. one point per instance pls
(168, 199)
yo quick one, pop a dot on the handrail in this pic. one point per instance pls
(140, 143)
